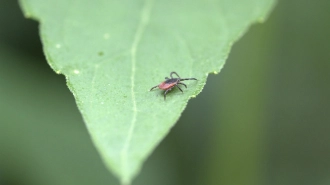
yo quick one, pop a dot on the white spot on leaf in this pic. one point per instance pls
(106, 36)
(76, 71)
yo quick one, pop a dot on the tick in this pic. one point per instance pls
(170, 83)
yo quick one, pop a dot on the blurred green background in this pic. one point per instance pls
(264, 120)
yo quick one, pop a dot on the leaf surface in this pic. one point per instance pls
(112, 53)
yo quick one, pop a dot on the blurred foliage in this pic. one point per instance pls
(263, 120)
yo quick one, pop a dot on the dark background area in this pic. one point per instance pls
(265, 119)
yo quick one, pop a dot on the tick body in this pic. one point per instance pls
(170, 83)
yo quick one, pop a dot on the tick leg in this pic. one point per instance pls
(166, 78)
(153, 87)
(187, 79)
(175, 74)
(179, 88)
(166, 92)
(183, 84)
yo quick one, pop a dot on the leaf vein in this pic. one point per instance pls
(144, 20)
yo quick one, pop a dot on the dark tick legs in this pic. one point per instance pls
(181, 79)
(153, 87)
(183, 84)
(171, 89)
(175, 74)
(187, 79)
(179, 88)
(166, 92)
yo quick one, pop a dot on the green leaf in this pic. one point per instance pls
(113, 52)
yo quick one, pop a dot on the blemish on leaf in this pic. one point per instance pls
(58, 46)
(76, 71)
(28, 15)
(101, 53)
(106, 36)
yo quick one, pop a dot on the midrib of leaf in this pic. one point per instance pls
(144, 20)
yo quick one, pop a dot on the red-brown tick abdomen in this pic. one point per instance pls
(168, 84)
(165, 86)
